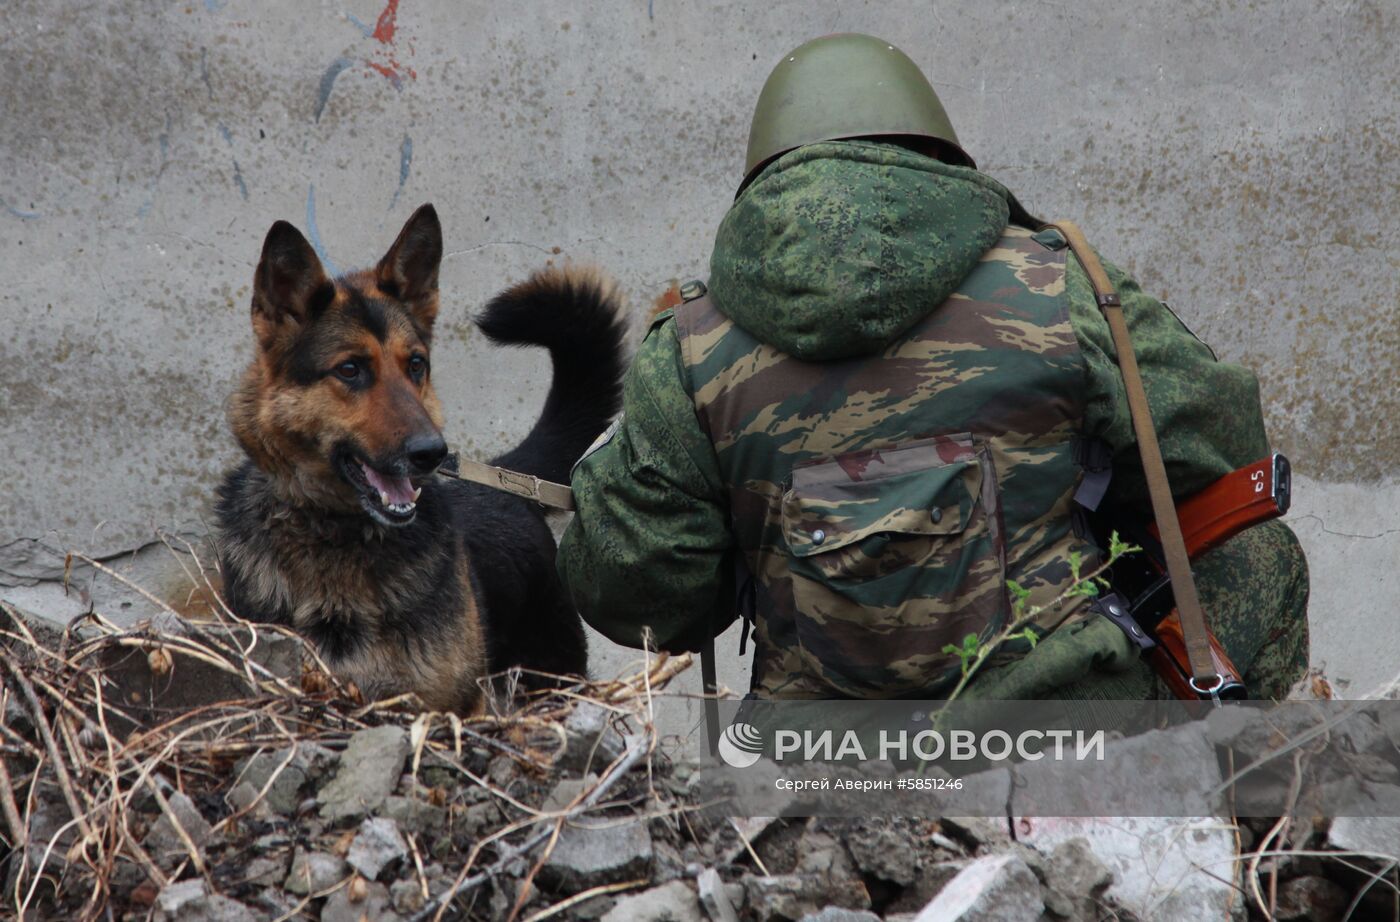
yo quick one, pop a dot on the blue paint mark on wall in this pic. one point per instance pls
(323, 93)
(313, 234)
(405, 162)
(164, 139)
(214, 6)
(237, 171)
(364, 29)
(204, 71)
(20, 213)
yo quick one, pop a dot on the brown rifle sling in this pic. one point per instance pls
(1204, 678)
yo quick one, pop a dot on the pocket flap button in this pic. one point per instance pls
(818, 536)
(937, 515)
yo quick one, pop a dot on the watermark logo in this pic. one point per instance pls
(740, 745)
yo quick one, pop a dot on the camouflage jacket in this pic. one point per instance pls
(872, 306)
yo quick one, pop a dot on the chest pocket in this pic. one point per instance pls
(893, 555)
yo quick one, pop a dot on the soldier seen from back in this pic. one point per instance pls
(882, 409)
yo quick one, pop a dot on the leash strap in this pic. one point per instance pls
(528, 486)
(1205, 680)
(711, 685)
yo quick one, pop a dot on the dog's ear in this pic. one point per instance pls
(409, 271)
(290, 283)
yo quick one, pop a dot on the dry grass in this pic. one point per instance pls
(63, 730)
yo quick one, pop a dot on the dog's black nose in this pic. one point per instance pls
(425, 452)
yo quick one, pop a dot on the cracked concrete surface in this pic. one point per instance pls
(1240, 160)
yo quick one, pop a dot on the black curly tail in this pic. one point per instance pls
(574, 312)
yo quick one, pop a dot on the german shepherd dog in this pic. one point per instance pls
(337, 523)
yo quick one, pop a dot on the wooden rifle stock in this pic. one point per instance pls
(1256, 493)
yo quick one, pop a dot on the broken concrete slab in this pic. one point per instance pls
(314, 872)
(593, 742)
(791, 896)
(714, 897)
(1074, 879)
(1164, 868)
(373, 905)
(152, 682)
(291, 772)
(377, 845)
(997, 888)
(837, 914)
(588, 856)
(673, 902)
(1180, 761)
(165, 843)
(1372, 835)
(368, 773)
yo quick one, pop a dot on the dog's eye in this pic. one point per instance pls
(348, 370)
(417, 365)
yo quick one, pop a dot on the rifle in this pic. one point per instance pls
(1242, 498)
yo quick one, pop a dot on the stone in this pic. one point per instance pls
(1310, 899)
(884, 852)
(368, 772)
(714, 898)
(377, 845)
(1164, 868)
(837, 914)
(374, 907)
(997, 888)
(291, 773)
(666, 863)
(175, 897)
(313, 872)
(973, 832)
(191, 901)
(588, 856)
(243, 796)
(1075, 879)
(1387, 716)
(479, 818)
(1172, 772)
(1372, 835)
(791, 896)
(406, 896)
(566, 791)
(266, 870)
(186, 682)
(673, 902)
(932, 878)
(165, 844)
(593, 742)
(1361, 733)
(413, 814)
(217, 908)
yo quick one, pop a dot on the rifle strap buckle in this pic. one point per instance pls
(1112, 607)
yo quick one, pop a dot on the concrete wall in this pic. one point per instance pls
(1242, 159)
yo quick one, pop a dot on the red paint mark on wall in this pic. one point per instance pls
(385, 29)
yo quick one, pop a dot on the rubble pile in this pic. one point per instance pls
(295, 799)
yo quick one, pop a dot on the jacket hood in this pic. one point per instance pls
(838, 248)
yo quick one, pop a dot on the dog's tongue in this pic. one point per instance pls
(398, 489)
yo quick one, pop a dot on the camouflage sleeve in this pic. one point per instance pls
(1207, 412)
(649, 545)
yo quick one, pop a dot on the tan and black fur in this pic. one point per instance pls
(320, 527)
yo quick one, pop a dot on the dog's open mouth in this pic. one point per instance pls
(390, 498)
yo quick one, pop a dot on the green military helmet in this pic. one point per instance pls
(846, 86)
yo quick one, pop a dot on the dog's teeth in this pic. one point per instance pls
(417, 493)
(383, 498)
